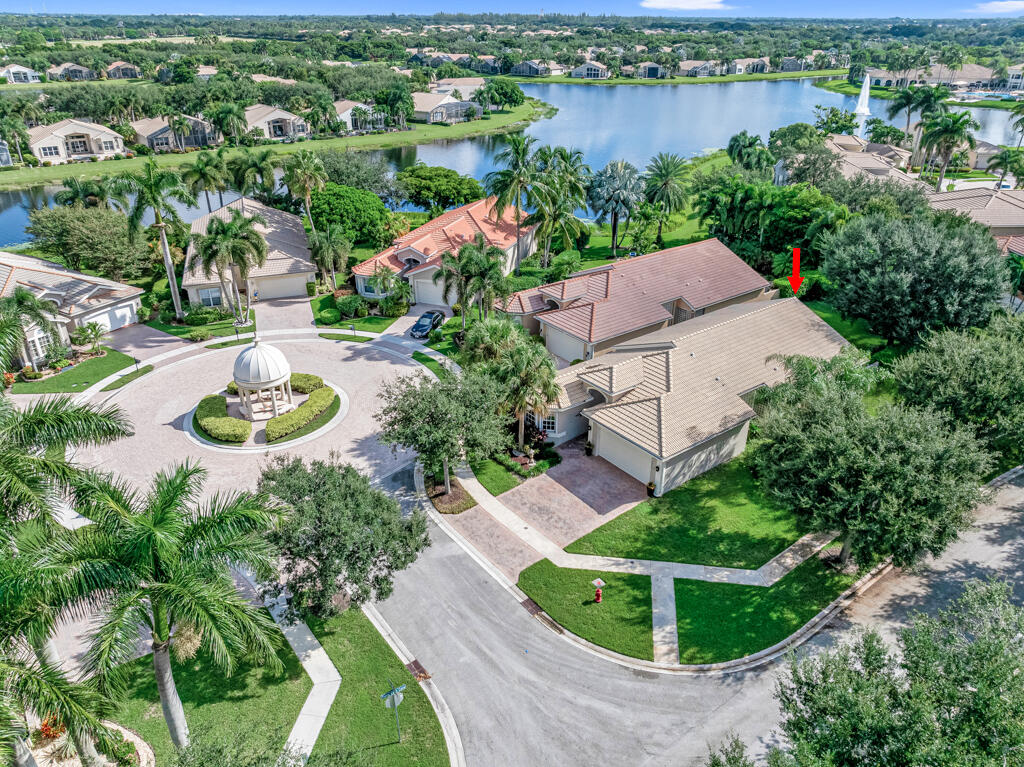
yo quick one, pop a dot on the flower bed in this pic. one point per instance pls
(283, 425)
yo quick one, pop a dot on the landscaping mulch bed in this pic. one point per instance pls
(449, 503)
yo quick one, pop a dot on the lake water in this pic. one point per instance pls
(630, 122)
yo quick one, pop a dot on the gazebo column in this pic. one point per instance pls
(273, 400)
(288, 384)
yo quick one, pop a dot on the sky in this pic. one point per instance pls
(958, 9)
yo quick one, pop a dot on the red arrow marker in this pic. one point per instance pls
(796, 280)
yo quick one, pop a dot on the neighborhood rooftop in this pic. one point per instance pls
(998, 209)
(608, 301)
(71, 291)
(678, 386)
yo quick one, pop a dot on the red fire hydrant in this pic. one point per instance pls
(597, 596)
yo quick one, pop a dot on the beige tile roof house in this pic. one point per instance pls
(466, 86)
(261, 78)
(70, 71)
(274, 122)
(344, 107)
(80, 299)
(73, 140)
(205, 72)
(669, 405)
(594, 310)
(122, 70)
(287, 270)
(155, 132)
(1001, 210)
(416, 256)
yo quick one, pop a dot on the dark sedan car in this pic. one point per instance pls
(427, 322)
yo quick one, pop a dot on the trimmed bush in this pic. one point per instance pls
(349, 306)
(212, 414)
(814, 286)
(232, 388)
(199, 334)
(283, 425)
(310, 289)
(523, 282)
(306, 383)
(328, 317)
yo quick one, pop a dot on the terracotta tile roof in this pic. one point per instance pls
(287, 246)
(448, 232)
(629, 295)
(991, 207)
(72, 291)
(683, 384)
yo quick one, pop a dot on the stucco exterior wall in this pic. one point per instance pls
(701, 458)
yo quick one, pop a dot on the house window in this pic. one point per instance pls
(50, 151)
(108, 146)
(210, 296)
(161, 141)
(78, 146)
(37, 346)
(547, 423)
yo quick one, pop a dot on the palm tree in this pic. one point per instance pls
(252, 171)
(487, 275)
(203, 174)
(741, 145)
(330, 250)
(511, 186)
(177, 557)
(666, 184)
(528, 372)
(931, 101)
(613, 194)
(455, 275)
(221, 157)
(1006, 160)
(31, 474)
(490, 339)
(13, 131)
(180, 126)
(91, 333)
(76, 191)
(944, 134)
(382, 281)
(304, 173)
(231, 246)
(19, 311)
(360, 116)
(904, 100)
(1016, 264)
(108, 193)
(157, 190)
(229, 118)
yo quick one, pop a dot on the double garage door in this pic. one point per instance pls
(116, 317)
(286, 286)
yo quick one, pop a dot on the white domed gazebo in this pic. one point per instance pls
(263, 377)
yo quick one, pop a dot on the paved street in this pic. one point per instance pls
(523, 696)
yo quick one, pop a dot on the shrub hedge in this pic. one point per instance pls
(283, 425)
(814, 286)
(306, 383)
(329, 317)
(351, 306)
(212, 414)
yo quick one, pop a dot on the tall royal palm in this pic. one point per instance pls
(512, 185)
(528, 372)
(666, 185)
(252, 171)
(946, 133)
(157, 190)
(330, 250)
(203, 174)
(487, 274)
(614, 192)
(455, 275)
(904, 100)
(177, 555)
(304, 174)
(232, 246)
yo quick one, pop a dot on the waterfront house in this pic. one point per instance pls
(416, 256)
(77, 299)
(486, 65)
(205, 72)
(73, 140)
(70, 71)
(443, 108)
(968, 75)
(343, 109)
(794, 64)
(274, 122)
(285, 273)
(466, 86)
(591, 70)
(749, 66)
(122, 70)
(16, 73)
(156, 133)
(648, 70)
(537, 68)
(669, 405)
(697, 68)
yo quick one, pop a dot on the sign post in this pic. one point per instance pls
(392, 699)
(598, 585)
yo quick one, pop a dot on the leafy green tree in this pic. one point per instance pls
(175, 558)
(792, 139)
(863, 194)
(512, 184)
(157, 190)
(614, 193)
(504, 92)
(945, 134)
(976, 376)
(443, 420)
(361, 170)
(828, 458)
(304, 174)
(340, 534)
(359, 215)
(880, 132)
(490, 339)
(908, 276)
(230, 246)
(437, 188)
(96, 239)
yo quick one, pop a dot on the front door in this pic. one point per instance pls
(78, 146)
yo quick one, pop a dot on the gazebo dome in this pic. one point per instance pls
(261, 366)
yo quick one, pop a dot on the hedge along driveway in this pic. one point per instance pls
(217, 329)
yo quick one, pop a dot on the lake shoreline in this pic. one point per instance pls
(681, 80)
(512, 121)
(844, 88)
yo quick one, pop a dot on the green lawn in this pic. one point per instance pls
(252, 702)
(217, 329)
(429, 362)
(446, 345)
(358, 721)
(855, 331)
(494, 477)
(720, 518)
(80, 377)
(368, 324)
(622, 622)
(681, 80)
(316, 423)
(226, 344)
(724, 621)
(344, 337)
(127, 379)
(499, 122)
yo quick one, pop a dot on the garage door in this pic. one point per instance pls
(115, 318)
(563, 345)
(618, 452)
(429, 293)
(281, 287)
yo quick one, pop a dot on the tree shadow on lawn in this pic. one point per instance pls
(720, 518)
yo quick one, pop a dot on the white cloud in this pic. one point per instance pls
(996, 6)
(700, 5)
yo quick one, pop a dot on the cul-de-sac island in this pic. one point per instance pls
(440, 386)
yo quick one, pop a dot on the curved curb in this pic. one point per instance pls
(194, 437)
(452, 738)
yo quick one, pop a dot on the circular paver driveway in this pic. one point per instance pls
(159, 402)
